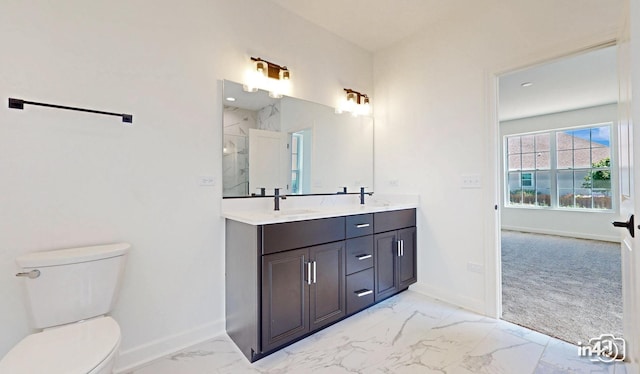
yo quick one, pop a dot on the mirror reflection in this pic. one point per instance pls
(298, 146)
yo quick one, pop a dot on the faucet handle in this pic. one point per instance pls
(263, 191)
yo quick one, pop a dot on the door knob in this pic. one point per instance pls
(629, 225)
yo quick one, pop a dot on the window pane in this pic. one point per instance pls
(602, 199)
(543, 188)
(600, 179)
(515, 192)
(601, 157)
(582, 189)
(564, 140)
(528, 189)
(565, 188)
(565, 159)
(513, 144)
(581, 138)
(582, 158)
(601, 136)
(528, 161)
(514, 162)
(543, 142)
(528, 142)
(543, 160)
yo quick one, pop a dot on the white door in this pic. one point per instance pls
(629, 188)
(268, 161)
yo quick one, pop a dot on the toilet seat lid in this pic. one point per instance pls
(75, 348)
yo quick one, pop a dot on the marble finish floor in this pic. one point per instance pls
(408, 333)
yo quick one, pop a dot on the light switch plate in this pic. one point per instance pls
(471, 181)
(206, 181)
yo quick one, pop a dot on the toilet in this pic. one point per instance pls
(69, 293)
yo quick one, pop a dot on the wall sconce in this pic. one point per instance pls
(355, 103)
(269, 76)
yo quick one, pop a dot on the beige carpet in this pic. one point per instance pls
(563, 287)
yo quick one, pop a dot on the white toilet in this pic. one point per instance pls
(69, 293)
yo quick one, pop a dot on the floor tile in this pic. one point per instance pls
(408, 333)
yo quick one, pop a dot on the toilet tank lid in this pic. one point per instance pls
(72, 255)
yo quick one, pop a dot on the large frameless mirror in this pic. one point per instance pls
(299, 146)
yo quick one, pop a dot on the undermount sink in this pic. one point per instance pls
(293, 212)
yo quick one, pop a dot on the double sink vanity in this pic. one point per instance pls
(297, 265)
(292, 272)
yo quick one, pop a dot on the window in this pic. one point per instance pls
(528, 164)
(561, 168)
(296, 163)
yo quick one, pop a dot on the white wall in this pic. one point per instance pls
(72, 179)
(579, 224)
(435, 121)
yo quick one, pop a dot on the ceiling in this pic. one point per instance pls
(372, 24)
(575, 82)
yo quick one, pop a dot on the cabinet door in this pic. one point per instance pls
(386, 254)
(407, 267)
(285, 297)
(327, 298)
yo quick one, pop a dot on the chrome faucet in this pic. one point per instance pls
(277, 198)
(362, 193)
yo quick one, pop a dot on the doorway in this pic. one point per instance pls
(560, 257)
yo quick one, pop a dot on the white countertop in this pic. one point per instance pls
(259, 211)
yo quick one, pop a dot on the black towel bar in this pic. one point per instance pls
(19, 104)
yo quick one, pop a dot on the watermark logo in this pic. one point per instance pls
(604, 348)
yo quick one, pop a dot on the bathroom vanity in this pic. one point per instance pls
(290, 274)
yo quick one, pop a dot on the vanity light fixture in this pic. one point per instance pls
(269, 76)
(526, 84)
(355, 103)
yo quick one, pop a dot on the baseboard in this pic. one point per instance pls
(134, 358)
(580, 235)
(473, 305)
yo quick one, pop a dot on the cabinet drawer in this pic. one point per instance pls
(359, 290)
(394, 220)
(359, 225)
(359, 254)
(280, 237)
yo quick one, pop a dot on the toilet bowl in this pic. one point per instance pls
(87, 347)
(69, 294)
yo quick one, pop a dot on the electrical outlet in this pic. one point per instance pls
(471, 181)
(394, 183)
(206, 181)
(475, 268)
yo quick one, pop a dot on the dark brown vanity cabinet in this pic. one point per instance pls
(394, 252)
(359, 262)
(286, 280)
(302, 290)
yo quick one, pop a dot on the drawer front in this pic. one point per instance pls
(280, 237)
(359, 291)
(359, 254)
(394, 220)
(359, 225)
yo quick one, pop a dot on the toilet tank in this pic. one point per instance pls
(74, 284)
